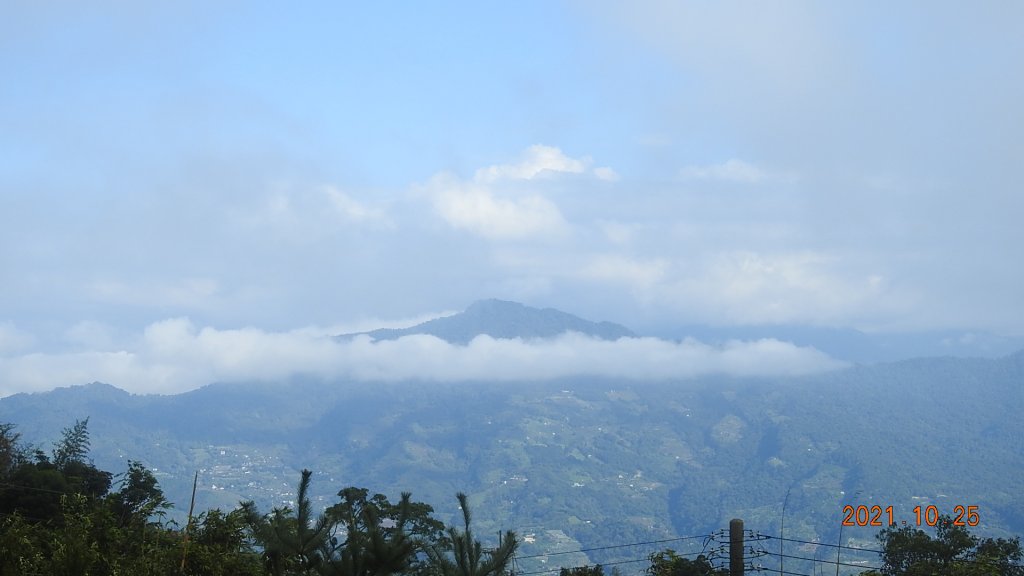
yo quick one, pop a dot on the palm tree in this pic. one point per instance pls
(468, 556)
(292, 543)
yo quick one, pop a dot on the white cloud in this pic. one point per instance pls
(606, 173)
(504, 201)
(190, 292)
(352, 210)
(732, 170)
(479, 209)
(38, 372)
(787, 287)
(310, 215)
(537, 160)
(636, 273)
(90, 335)
(740, 287)
(12, 339)
(174, 356)
(615, 232)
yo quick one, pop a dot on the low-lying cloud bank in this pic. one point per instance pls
(175, 356)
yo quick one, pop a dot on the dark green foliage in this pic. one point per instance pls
(380, 538)
(35, 488)
(595, 570)
(21, 546)
(907, 551)
(418, 522)
(139, 496)
(86, 479)
(292, 543)
(12, 453)
(34, 491)
(668, 563)
(74, 550)
(219, 546)
(74, 445)
(468, 558)
(63, 520)
(356, 537)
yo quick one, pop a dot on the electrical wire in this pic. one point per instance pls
(615, 563)
(681, 538)
(823, 561)
(777, 571)
(770, 537)
(856, 549)
(8, 485)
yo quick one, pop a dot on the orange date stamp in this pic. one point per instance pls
(923, 515)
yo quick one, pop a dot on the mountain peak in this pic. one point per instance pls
(505, 319)
(491, 304)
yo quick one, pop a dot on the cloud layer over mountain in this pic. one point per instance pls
(175, 355)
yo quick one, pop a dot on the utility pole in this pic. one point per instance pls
(736, 547)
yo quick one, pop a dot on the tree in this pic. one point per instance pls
(908, 551)
(418, 521)
(74, 445)
(12, 453)
(371, 547)
(384, 537)
(86, 479)
(63, 520)
(139, 496)
(668, 563)
(292, 542)
(220, 546)
(587, 570)
(21, 546)
(359, 536)
(34, 490)
(74, 549)
(468, 556)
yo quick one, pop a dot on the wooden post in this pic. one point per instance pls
(736, 547)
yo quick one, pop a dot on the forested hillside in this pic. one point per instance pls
(583, 463)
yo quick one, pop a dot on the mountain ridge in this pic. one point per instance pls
(502, 319)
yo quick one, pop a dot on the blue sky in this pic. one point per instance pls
(271, 170)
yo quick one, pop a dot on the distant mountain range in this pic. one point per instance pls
(506, 319)
(503, 319)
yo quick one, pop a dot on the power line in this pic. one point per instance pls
(770, 537)
(615, 563)
(823, 561)
(777, 571)
(618, 546)
(857, 549)
(8, 485)
(559, 569)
